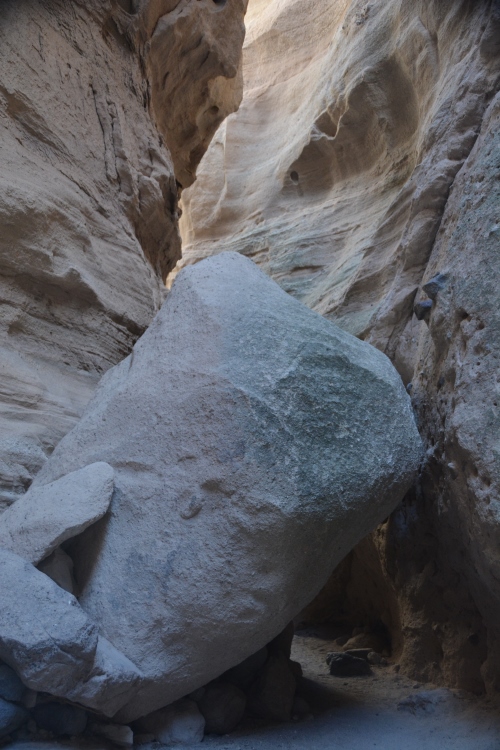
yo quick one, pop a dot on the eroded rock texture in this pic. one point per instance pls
(363, 164)
(104, 108)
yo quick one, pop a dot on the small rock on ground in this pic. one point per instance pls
(345, 665)
(11, 717)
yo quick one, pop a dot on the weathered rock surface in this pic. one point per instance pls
(104, 107)
(45, 636)
(455, 391)
(53, 646)
(46, 516)
(253, 443)
(361, 172)
(111, 683)
(334, 173)
(445, 538)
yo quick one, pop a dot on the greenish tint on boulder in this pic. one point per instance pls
(254, 444)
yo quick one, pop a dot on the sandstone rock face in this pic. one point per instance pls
(334, 173)
(456, 392)
(254, 443)
(354, 175)
(432, 571)
(103, 107)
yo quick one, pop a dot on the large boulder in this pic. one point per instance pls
(253, 444)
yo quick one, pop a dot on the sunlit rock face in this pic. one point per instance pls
(335, 171)
(105, 108)
(362, 164)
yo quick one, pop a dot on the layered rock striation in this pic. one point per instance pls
(361, 172)
(105, 109)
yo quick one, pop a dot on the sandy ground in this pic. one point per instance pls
(357, 714)
(362, 713)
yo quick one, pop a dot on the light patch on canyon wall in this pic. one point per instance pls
(105, 108)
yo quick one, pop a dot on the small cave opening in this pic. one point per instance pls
(355, 610)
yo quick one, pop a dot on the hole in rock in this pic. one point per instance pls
(294, 176)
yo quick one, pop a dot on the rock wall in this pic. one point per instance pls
(362, 165)
(105, 109)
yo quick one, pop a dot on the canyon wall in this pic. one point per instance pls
(105, 110)
(362, 173)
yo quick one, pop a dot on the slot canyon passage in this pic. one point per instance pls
(249, 374)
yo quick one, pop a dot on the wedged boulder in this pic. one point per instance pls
(53, 645)
(253, 443)
(44, 635)
(48, 515)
